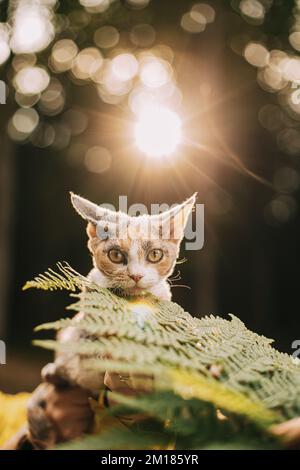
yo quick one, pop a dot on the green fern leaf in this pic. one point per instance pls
(214, 361)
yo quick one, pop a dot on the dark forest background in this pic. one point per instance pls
(249, 265)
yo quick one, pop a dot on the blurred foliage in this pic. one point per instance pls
(13, 413)
(126, 55)
(116, 47)
(172, 422)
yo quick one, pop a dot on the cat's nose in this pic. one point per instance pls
(136, 277)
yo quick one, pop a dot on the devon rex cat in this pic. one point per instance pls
(131, 255)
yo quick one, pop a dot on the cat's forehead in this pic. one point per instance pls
(141, 222)
(126, 227)
(136, 246)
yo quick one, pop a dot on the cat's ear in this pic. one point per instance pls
(173, 222)
(87, 209)
(90, 211)
(102, 223)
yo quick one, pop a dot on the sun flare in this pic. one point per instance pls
(157, 131)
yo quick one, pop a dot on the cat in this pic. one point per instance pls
(132, 256)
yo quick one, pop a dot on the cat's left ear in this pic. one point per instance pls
(173, 222)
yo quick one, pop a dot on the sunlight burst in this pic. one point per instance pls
(157, 131)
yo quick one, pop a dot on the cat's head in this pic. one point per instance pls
(134, 253)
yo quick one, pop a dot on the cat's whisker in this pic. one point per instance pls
(181, 285)
(176, 277)
(181, 261)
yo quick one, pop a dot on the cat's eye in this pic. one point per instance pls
(116, 256)
(155, 255)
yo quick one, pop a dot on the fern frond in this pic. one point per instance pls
(190, 385)
(66, 278)
(216, 362)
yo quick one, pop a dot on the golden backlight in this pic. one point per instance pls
(157, 131)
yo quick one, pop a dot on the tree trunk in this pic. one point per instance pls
(6, 209)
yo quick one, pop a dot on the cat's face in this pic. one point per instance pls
(134, 253)
(133, 264)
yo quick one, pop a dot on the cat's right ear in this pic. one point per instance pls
(87, 209)
(92, 212)
(100, 219)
